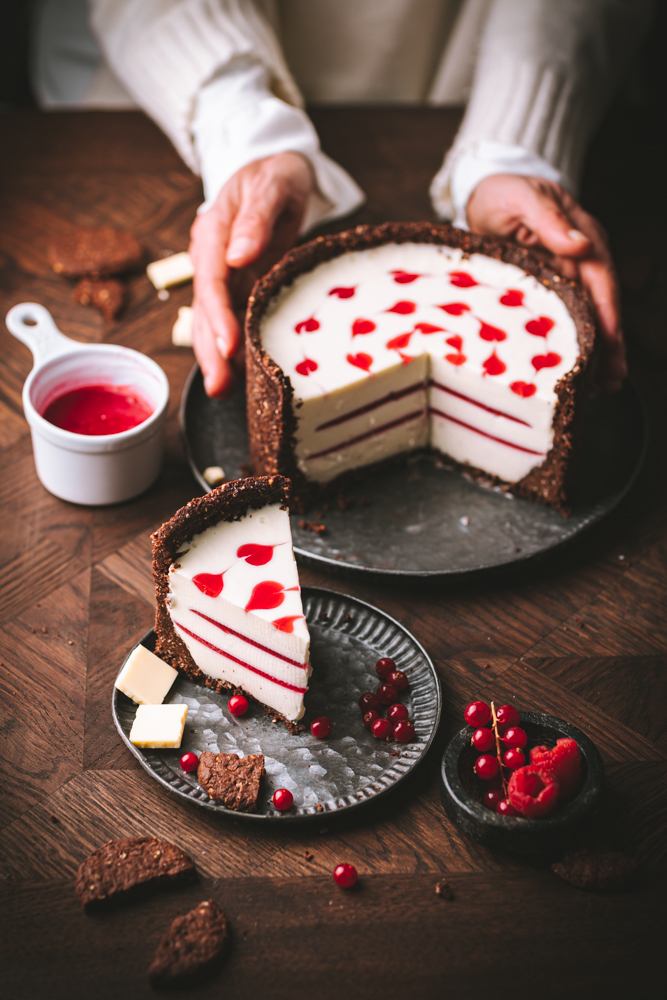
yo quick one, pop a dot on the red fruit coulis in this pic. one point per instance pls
(98, 409)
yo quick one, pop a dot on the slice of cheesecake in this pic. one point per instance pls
(229, 612)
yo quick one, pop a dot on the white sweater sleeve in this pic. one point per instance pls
(545, 74)
(212, 75)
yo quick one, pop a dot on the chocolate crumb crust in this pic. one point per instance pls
(229, 502)
(125, 868)
(231, 780)
(271, 420)
(192, 949)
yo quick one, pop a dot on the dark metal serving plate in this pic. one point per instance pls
(409, 518)
(345, 771)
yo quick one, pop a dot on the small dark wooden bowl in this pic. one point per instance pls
(462, 792)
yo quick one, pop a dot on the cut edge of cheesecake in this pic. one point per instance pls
(229, 502)
(270, 391)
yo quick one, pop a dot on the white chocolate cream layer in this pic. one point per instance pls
(235, 600)
(371, 338)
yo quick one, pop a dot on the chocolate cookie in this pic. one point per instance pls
(192, 948)
(107, 296)
(95, 253)
(232, 780)
(124, 868)
(596, 869)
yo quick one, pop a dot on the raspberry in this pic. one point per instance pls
(563, 762)
(532, 791)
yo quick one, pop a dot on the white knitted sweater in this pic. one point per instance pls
(213, 75)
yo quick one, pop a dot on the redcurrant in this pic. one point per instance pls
(283, 799)
(384, 667)
(477, 714)
(398, 679)
(492, 798)
(368, 701)
(345, 876)
(483, 739)
(505, 808)
(320, 727)
(507, 715)
(387, 694)
(381, 728)
(486, 766)
(189, 762)
(238, 704)
(397, 711)
(514, 736)
(514, 758)
(404, 731)
(370, 717)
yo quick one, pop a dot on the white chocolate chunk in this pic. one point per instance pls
(181, 333)
(172, 270)
(214, 475)
(159, 726)
(146, 678)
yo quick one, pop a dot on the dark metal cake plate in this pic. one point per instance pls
(347, 770)
(416, 516)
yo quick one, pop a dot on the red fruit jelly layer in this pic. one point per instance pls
(98, 409)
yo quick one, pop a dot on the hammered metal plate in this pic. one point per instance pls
(345, 771)
(418, 517)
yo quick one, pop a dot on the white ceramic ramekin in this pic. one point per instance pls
(82, 468)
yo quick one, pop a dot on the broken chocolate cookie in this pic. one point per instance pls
(192, 948)
(231, 780)
(126, 867)
(600, 869)
(107, 296)
(95, 253)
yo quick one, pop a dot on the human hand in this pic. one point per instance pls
(254, 220)
(538, 212)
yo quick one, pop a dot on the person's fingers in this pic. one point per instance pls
(252, 228)
(217, 372)
(599, 279)
(210, 236)
(543, 221)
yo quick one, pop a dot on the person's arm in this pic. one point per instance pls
(212, 75)
(544, 77)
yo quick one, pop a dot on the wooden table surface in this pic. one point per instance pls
(583, 635)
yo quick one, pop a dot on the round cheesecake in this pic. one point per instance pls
(383, 340)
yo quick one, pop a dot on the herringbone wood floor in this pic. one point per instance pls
(583, 636)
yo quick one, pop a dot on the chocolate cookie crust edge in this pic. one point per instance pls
(271, 419)
(229, 502)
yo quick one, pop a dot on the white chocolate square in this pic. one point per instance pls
(181, 332)
(171, 270)
(158, 726)
(146, 678)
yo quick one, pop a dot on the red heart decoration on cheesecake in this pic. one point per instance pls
(456, 359)
(210, 584)
(456, 342)
(255, 554)
(512, 297)
(493, 365)
(286, 624)
(429, 328)
(398, 343)
(524, 389)
(267, 595)
(343, 293)
(307, 325)
(362, 326)
(462, 279)
(540, 327)
(306, 366)
(549, 360)
(403, 308)
(488, 332)
(404, 277)
(455, 308)
(363, 361)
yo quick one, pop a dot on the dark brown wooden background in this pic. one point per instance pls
(582, 636)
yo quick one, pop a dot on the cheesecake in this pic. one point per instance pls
(229, 612)
(384, 340)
